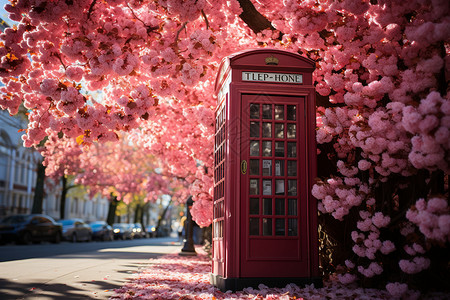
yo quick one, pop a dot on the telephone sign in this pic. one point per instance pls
(272, 77)
(265, 219)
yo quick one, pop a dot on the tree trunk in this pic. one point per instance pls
(163, 214)
(137, 213)
(38, 199)
(112, 210)
(62, 212)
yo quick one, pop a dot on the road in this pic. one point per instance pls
(75, 271)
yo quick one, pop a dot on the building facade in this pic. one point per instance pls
(18, 175)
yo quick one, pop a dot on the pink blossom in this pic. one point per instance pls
(347, 278)
(397, 289)
(380, 220)
(417, 265)
(74, 73)
(387, 247)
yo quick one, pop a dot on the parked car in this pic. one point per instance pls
(123, 231)
(150, 231)
(138, 230)
(76, 230)
(101, 231)
(26, 229)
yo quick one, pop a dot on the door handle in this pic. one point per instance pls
(243, 167)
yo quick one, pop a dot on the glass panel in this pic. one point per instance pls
(267, 206)
(279, 168)
(279, 187)
(254, 187)
(254, 226)
(292, 207)
(254, 206)
(279, 207)
(279, 149)
(291, 131)
(267, 148)
(254, 111)
(292, 187)
(291, 112)
(279, 227)
(254, 129)
(279, 112)
(254, 148)
(279, 130)
(267, 111)
(267, 130)
(291, 149)
(254, 167)
(292, 227)
(267, 187)
(267, 226)
(292, 168)
(267, 167)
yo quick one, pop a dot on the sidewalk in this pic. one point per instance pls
(187, 278)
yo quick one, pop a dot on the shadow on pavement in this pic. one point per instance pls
(12, 290)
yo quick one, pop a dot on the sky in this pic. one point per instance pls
(3, 13)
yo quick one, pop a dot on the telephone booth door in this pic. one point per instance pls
(273, 192)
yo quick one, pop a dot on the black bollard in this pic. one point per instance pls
(188, 248)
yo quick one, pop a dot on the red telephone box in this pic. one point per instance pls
(265, 219)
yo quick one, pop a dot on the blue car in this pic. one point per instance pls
(27, 229)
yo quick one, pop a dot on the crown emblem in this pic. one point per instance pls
(271, 60)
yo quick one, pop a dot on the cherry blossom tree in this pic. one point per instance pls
(381, 64)
(116, 170)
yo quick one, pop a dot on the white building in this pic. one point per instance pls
(18, 167)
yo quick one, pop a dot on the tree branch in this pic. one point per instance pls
(91, 8)
(206, 19)
(253, 18)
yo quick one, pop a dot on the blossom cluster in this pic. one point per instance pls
(432, 217)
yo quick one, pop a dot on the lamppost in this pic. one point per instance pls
(188, 248)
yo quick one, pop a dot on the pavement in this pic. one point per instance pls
(85, 275)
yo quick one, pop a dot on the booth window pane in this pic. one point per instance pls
(279, 227)
(254, 206)
(291, 131)
(254, 226)
(279, 168)
(254, 111)
(291, 112)
(292, 227)
(279, 187)
(267, 167)
(267, 187)
(279, 112)
(267, 226)
(279, 207)
(279, 130)
(292, 207)
(267, 206)
(254, 129)
(292, 187)
(267, 130)
(254, 148)
(291, 149)
(267, 111)
(279, 149)
(254, 187)
(254, 167)
(267, 148)
(292, 168)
